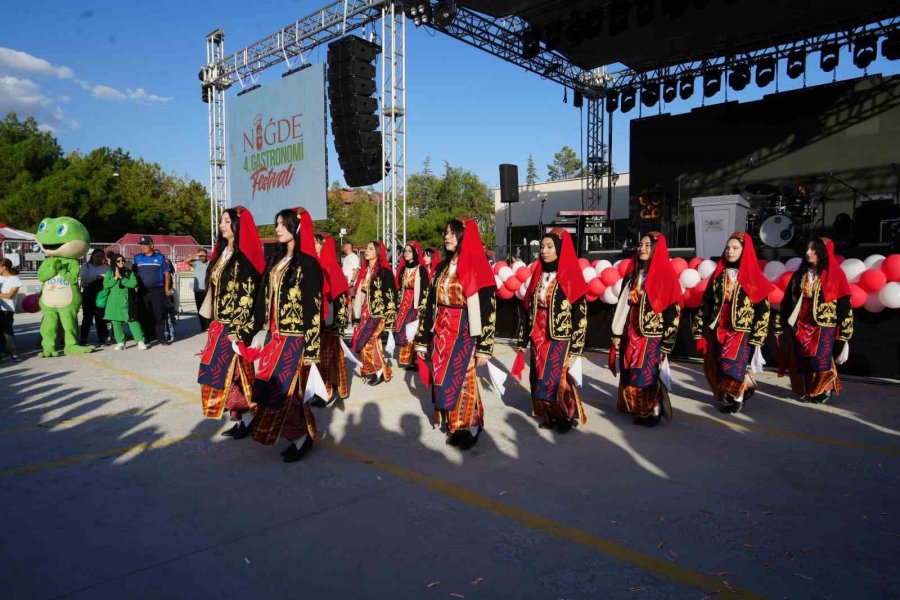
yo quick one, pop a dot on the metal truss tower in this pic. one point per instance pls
(393, 126)
(215, 52)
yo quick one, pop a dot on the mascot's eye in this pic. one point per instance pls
(61, 230)
(42, 226)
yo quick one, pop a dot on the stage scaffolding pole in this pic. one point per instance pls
(393, 124)
(215, 51)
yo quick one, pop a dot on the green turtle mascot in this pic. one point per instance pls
(64, 240)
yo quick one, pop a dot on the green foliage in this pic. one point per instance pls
(531, 172)
(110, 192)
(566, 165)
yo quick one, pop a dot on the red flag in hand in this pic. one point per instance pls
(518, 365)
(248, 353)
(613, 357)
(424, 371)
(702, 346)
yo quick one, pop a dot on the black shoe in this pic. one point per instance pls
(737, 407)
(822, 398)
(233, 430)
(652, 420)
(287, 450)
(243, 431)
(318, 403)
(748, 393)
(167, 342)
(455, 438)
(564, 427)
(294, 454)
(376, 380)
(468, 440)
(727, 407)
(546, 425)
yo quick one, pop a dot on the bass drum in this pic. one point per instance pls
(777, 231)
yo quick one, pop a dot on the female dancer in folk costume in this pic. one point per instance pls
(816, 308)
(733, 316)
(412, 285)
(432, 259)
(555, 324)
(291, 309)
(336, 308)
(644, 328)
(458, 322)
(374, 309)
(233, 280)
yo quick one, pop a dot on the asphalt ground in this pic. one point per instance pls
(113, 486)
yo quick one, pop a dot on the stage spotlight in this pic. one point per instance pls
(421, 13)
(765, 71)
(739, 77)
(612, 102)
(643, 12)
(686, 87)
(628, 99)
(670, 90)
(673, 8)
(531, 46)
(712, 82)
(578, 99)
(445, 12)
(890, 47)
(650, 94)
(864, 51)
(829, 56)
(618, 18)
(796, 63)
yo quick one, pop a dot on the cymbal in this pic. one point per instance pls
(761, 189)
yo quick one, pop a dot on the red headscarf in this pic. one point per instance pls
(401, 264)
(305, 232)
(834, 280)
(661, 285)
(248, 240)
(335, 283)
(472, 266)
(381, 263)
(568, 273)
(435, 259)
(750, 276)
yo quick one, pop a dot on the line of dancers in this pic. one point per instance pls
(440, 315)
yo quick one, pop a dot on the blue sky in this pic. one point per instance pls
(125, 74)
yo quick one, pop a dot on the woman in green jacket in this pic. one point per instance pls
(120, 283)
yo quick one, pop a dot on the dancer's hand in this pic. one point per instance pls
(422, 355)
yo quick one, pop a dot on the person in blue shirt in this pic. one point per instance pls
(155, 284)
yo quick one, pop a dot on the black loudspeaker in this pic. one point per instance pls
(354, 124)
(509, 183)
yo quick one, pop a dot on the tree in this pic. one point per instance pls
(531, 173)
(566, 165)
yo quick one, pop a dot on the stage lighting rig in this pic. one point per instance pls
(829, 56)
(650, 94)
(445, 11)
(864, 51)
(670, 90)
(628, 99)
(612, 102)
(739, 77)
(531, 43)
(796, 62)
(712, 82)
(890, 47)
(686, 87)
(765, 71)
(421, 13)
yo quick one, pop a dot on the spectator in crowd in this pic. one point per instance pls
(121, 305)
(349, 263)
(9, 287)
(171, 305)
(199, 261)
(154, 285)
(92, 273)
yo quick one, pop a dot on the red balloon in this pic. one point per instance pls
(701, 287)
(784, 279)
(30, 303)
(625, 266)
(776, 296)
(596, 287)
(891, 267)
(692, 298)
(679, 264)
(523, 274)
(504, 292)
(872, 280)
(857, 296)
(584, 263)
(594, 263)
(610, 276)
(499, 265)
(512, 284)
(694, 262)
(590, 297)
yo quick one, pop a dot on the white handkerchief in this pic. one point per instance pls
(498, 378)
(315, 386)
(757, 362)
(844, 355)
(411, 329)
(575, 370)
(389, 347)
(348, 354)
(665, 375)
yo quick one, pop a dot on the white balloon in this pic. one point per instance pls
(773, 270)
(498, 281)
(527, 283)
(602, 264)
(616, 264)
(890, 295)
(706, 268)
(793, 264)
(689, 278)
(517, 265)
(853, 268)
(609, 296)
(505, 273)
(520, 293)
(617, 288)
(873, 303)
(873, 261)
(588, 274)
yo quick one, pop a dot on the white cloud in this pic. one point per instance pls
(27, 99)
(47, 128)
(22, 62)
(142, 96)
(104, 92)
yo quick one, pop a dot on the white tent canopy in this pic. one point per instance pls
(9, 233)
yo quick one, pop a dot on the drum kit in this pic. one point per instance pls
(780, 216)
